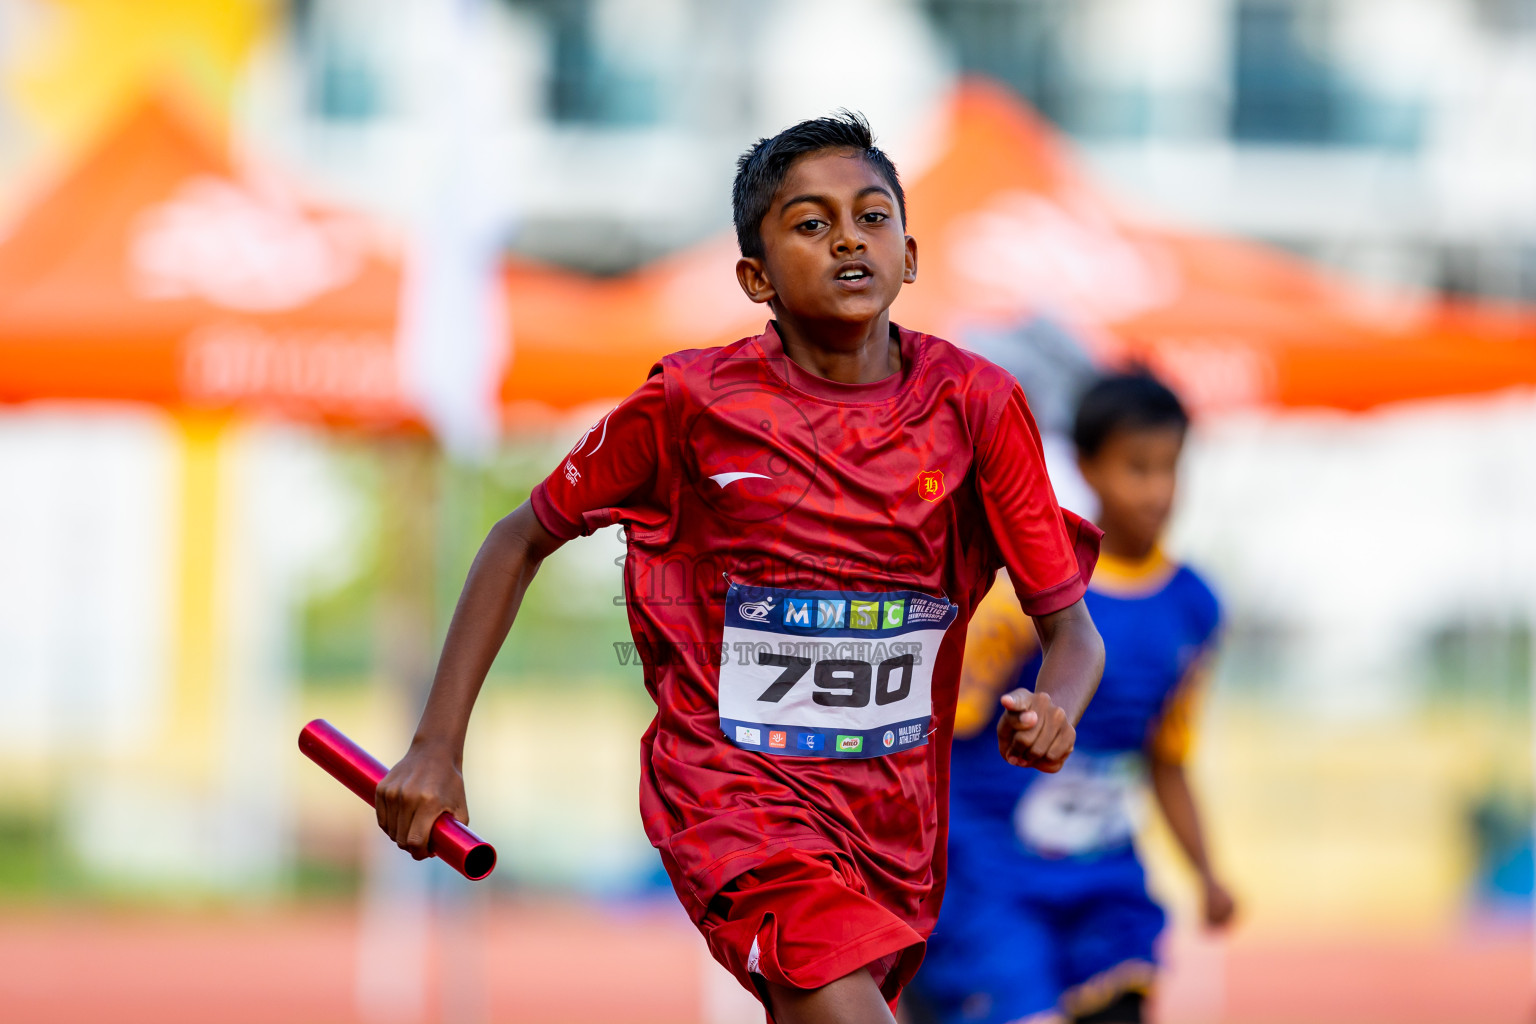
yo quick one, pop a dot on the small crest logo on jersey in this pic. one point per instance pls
(808, 741)
(748, 735)
(850, 744)
(780, 740)
(866, 614)
(797, 613)
(895, 614)
(830, 614)
(889, 739)
(930, 484)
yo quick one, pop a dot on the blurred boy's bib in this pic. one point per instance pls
(1091, 806)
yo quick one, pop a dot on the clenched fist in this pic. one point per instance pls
(1034, 732)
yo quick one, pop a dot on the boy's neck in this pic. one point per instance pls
(1126, 546)
(856, 353)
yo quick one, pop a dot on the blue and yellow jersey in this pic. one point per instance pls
(1157, 619)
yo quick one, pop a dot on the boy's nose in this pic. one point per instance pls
(850, 243)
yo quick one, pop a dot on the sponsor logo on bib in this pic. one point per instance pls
(757, 611)
(895, 614)
(850, 744)
(830, 614)
(926, 609)
(889, 739)
(809, 741)
(780, 740)
(747, 734)
(866, 614)
(797, 613)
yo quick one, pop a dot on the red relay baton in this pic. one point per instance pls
(361, 772)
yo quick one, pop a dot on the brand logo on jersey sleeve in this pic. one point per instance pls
(572, 474)
(850, 744)
(930, 484)
(830, 614)
(866, 614)
(797, 613)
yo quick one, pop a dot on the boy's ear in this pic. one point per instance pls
(909, 271)
(752, 275)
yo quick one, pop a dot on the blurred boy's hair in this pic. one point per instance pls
(1124, 401)
(761, 169)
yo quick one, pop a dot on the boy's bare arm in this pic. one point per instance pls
(428, 780)
(1170, 783)
(1039, 728)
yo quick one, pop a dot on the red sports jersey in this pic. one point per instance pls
(803, 558)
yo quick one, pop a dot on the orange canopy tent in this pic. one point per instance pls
(159, 271)
(1009, 230)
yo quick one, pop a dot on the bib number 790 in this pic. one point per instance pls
(841, 682)
(829, 673)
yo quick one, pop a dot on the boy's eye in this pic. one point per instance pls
(810, 225)
(875, 216)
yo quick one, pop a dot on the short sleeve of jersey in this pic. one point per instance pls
(1049, 554)
(615, 473)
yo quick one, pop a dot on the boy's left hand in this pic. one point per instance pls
(1034, 732)
(1220, 907)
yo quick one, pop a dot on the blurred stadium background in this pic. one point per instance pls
(297, 298)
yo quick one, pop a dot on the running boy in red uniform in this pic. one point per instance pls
(812, 514)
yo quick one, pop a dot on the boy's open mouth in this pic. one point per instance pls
(854, 272)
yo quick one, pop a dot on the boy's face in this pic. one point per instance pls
(834, 246)
(1135, 473)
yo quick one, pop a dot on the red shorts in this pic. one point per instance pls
(802, 920)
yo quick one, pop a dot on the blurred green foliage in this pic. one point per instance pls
(555, 640)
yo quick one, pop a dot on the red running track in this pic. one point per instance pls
(576, 964)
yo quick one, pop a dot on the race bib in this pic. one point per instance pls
(1091, 806)
(826, 673)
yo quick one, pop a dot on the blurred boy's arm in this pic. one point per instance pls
(999, 641)
(1167, 753)
(428, 780)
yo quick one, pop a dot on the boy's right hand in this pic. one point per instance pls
(1034, 732)
(425, 783)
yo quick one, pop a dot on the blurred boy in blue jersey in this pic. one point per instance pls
(1046, 917)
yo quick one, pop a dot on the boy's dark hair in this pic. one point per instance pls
(1124, 401)
(761, 169)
